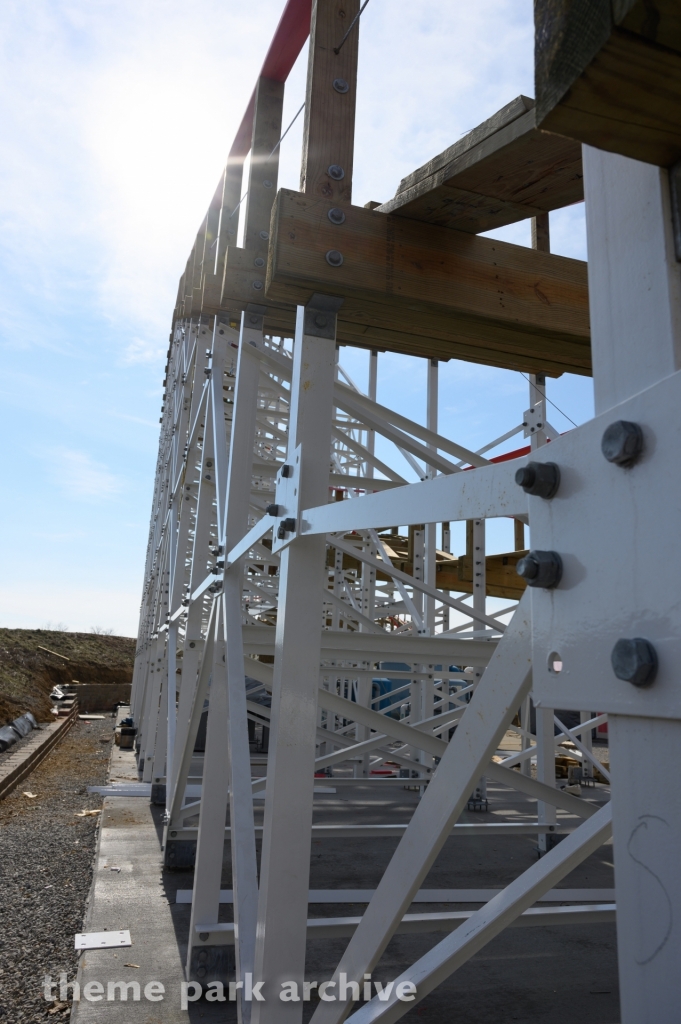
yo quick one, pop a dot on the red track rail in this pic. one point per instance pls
(289, 39)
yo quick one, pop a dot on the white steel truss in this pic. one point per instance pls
(275, 588)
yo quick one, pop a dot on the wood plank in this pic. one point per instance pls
(403, 272)
(432, 335)
(611, 77)
(451, 573)
(329, 130)
(504, 171)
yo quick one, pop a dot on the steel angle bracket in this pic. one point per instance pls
(287, 489)
(614, 521)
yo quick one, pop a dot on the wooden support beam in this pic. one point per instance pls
(503, 171)
(264, 164)
(404, 276)
(608, 73)
(451, 573)
(329, 131)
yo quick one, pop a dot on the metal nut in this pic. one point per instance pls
(541, 479)
(541, 569)
(340, 85)
(635, 661)
(287, 471)
(622, 443)
(336, 172)
(289, 525)
(334, 258)
(336, 216)
(272, 510)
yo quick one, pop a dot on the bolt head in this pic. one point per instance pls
(622, 443)
(340, 85)
(336, 172)
(267, 183)
(541, 569)
(334, 258)
(253, 319)
(264, 235)
(635, 661)
(320, 320)
(257, 285)
(336, 216)
(258, 262)
(541, 479)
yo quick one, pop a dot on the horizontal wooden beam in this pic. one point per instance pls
(505, 302)
(503, 171)
(608, 73)
(451, 573)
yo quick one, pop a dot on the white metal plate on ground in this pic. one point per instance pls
(102, 940)
(617, 532)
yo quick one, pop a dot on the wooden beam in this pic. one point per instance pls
(433, 335)
(418, 279)
(256, 208)
(329, 130)
(451, 574)
(608, 73)
(503, 171)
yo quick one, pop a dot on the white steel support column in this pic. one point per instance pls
(635, 299)
(431, 528)
(536, 429)
(285, 862)
(504, 684)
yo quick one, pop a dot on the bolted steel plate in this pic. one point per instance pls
(618, 532)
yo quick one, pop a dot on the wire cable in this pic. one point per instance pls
(286, 132)
(337, 49)
(547, 398)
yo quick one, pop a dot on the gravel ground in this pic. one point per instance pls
(46, 857)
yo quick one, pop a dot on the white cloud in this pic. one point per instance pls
(143, 350)
(80, 476)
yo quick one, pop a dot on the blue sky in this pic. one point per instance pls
(117, 118)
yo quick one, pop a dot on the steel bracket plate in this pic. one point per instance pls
(617, 532)
(288, 500)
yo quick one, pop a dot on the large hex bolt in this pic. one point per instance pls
(622, 443)
(539, 478)
(635, 661)
(541, 569)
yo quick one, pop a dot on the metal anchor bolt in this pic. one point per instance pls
(622, 443)
(334, 258)
(541, 479)
(635, 661)
(541, 569)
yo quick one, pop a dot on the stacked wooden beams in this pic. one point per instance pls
(452, 573)
(503, 171)
(446, 293)
(608, 73)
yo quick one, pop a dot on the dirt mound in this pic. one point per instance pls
(30, 666)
